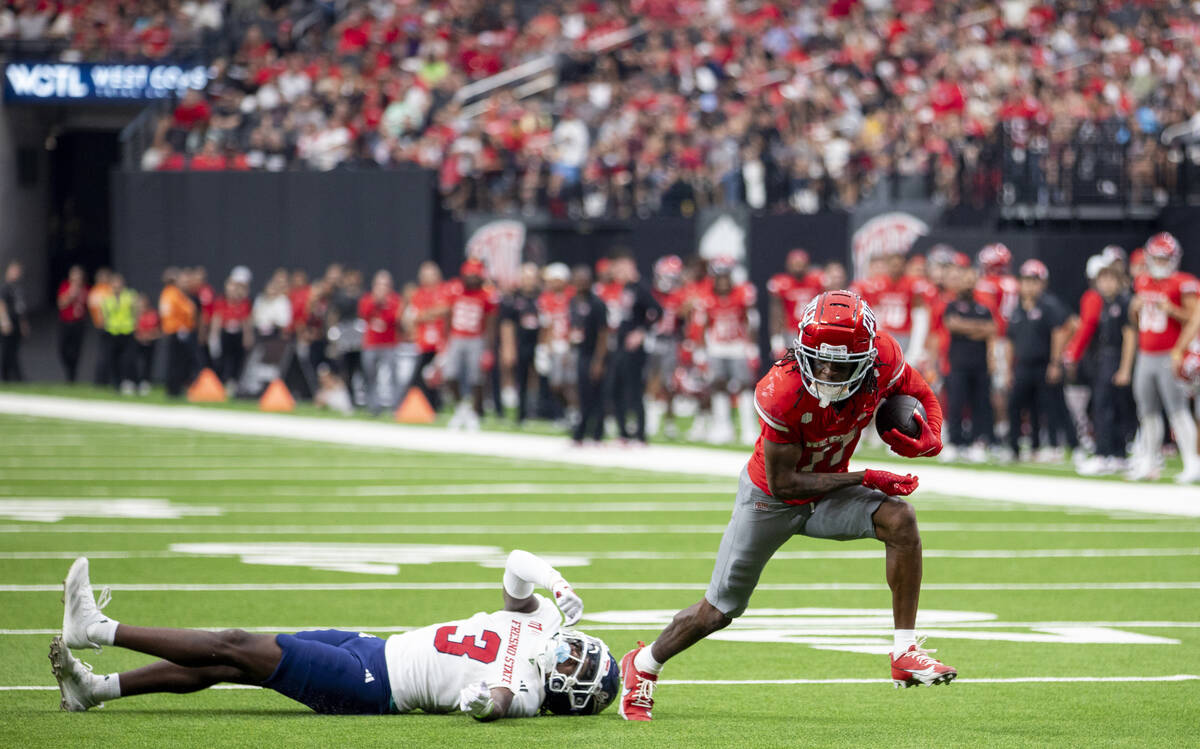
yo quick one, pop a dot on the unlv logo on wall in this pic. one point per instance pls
(499, 245)
(885, 234)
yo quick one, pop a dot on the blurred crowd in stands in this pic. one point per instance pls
(604, 353)
(667, 107)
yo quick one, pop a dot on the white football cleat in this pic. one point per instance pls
(1188, 476)
(75, 679)
(1142, 469)
(80, 609)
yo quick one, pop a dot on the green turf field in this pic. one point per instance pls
(215, 531)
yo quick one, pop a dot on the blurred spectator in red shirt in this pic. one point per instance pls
(72, 317)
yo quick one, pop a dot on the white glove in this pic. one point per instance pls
(541, 359)
(569, 602)
(476, 700)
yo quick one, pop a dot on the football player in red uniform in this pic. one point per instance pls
(791, 292)
(471, 318)
(900, 302)
(1164, 299)
(730, 330)
(999, 291)
(814, 405)
(663, 345)
(552, 358)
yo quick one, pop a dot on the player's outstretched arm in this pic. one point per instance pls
(484, 704)
(785, 482)
(523, 571)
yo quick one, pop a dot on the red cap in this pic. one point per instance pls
(603, 265)
(961, 260)
(1138, 257)
(472, 267)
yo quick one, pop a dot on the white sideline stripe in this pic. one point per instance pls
(589, 625)
(1014, 554)
(1013, 680)
(210, 587)
(788, 682)
(1090, 494)
(542, 530)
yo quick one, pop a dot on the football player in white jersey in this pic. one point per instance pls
(516, 662)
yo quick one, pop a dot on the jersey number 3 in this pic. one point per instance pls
(485, 653)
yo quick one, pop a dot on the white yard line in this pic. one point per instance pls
(642, 586)
(872, 554)
(811, 682)
(599, 626)
(959, 482)
(542, 530)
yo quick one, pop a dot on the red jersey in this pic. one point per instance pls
(1090, 306)
(469, 309)
(299, 298)
(727, 319)
(206, 296)
(693, 295)
(381, 319)
(668, 325)
(147, 325)
(1157, 330)
(555, 311)
(431, 333)
(795, 294)
(892, 300)
(937, 328)
(790, 414)
(76, 307)
(999, 293)
(233, 314)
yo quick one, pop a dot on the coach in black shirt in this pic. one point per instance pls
(520, 329)
(589, 342)
(14, 323)
(968, 384)
(638, 311)
(1037, 330)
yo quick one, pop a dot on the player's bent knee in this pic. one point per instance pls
(709, 618)
(898, 520)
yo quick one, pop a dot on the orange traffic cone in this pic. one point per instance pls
(415, 409)
(276, 398)
(206, 388)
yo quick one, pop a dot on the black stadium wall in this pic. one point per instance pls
(367, 219)
(389, 219)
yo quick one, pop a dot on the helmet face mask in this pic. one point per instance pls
(592, 679)
(836, 346)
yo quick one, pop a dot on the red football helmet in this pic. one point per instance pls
(1162, 255)
(668, 271)
(994, 258)
(722, 265)
(836, 345)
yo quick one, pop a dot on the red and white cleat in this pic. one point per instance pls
(637, 688)
(915, 666)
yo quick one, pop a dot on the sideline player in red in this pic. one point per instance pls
(899, 301)
(664, 341)
(814, 405)
(730, 330)
(791, 292)
(999, 291)
(472, 309)
(1163, 300)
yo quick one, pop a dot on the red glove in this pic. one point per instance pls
(927, 444)
(891, 484)
(487, 361)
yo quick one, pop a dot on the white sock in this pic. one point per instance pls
(107, 687)
(721, 411)
(644, 661)
(102, 633)
(903, 640)
(1185, 437)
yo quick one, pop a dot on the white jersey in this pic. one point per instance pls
(428, 667)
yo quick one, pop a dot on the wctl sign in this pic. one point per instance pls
(95, 82)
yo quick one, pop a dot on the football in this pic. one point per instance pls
(897, 413)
